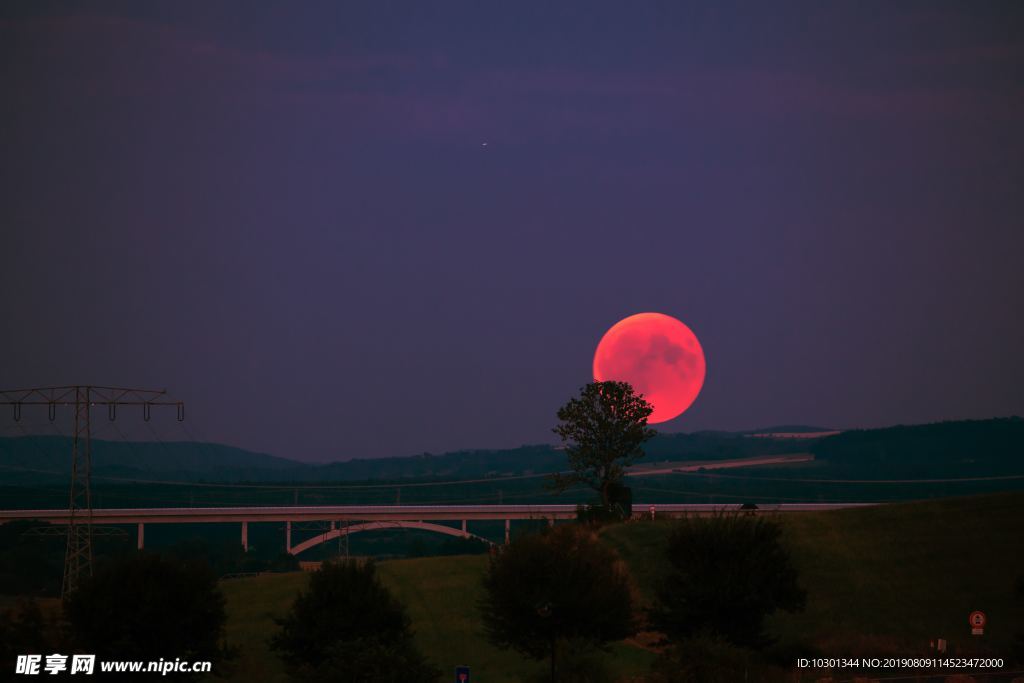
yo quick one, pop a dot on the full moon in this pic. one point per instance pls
(659, 356)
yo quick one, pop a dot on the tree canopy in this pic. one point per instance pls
(146, 607)
(603, 430)
(728, 573)
(553, 590)
(349, 627)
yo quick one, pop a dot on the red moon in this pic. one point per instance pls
(659, 356)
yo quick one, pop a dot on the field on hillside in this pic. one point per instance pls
(885, 580)
(441, 595)
(880, 581)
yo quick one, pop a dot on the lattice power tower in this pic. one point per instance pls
(78, 556)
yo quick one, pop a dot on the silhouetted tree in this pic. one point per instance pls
(728, 573)
(560, 589)
(349, 627)
(603, 431)
(24, 629)
(147, 607)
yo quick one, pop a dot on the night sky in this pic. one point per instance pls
(362, 229)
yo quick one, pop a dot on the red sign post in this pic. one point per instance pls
(977, 621)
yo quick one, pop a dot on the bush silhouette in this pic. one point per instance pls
(147, 607)
(729, 572)
(556, 592)
(349, 627)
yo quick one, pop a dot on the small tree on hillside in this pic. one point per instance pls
(554, 590)
(24, 628)
(603, 431)
(729, 572)
(147, 607)
(348, 627)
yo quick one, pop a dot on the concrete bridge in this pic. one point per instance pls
(358, 518)
(339, 531)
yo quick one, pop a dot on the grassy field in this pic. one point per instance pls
(441, 594)
(880, 581)
(886, 580)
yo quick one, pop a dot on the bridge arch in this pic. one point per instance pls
(371, 526)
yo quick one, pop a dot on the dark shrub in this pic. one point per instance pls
(729, 572)
(348, 627)
(558, 589)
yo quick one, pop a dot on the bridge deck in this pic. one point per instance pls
(382, 512)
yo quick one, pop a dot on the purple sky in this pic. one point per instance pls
(287, 216)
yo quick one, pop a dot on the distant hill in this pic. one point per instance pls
(35, 459)
(789, 429)
(996, 440)
(32, 460)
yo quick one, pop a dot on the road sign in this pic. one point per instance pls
(977, 621)
(462, 674)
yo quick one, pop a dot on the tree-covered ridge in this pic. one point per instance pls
(1000, 439)
(29, 460)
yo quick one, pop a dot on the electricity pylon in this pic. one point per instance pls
(78, 555)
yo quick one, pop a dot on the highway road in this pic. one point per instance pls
(669, 467)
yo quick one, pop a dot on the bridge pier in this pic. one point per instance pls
(245, 536)
(142, 534)
(288, 537)
(464, 532)
(508, 527)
